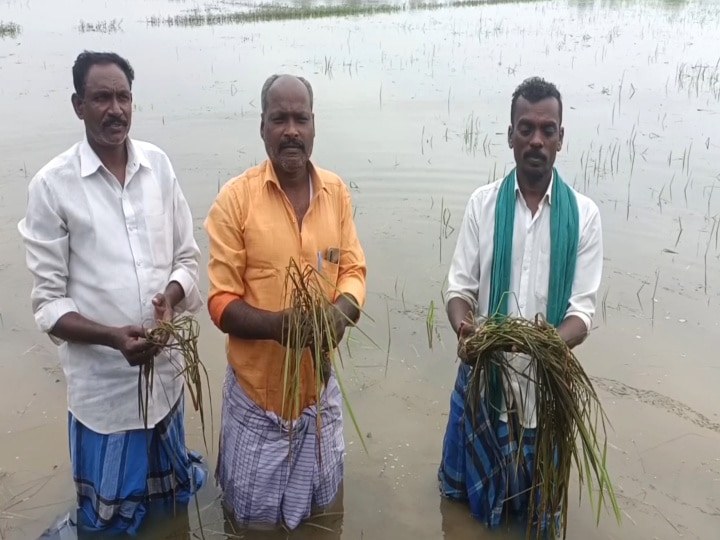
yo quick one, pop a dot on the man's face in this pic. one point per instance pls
(106, 107)
(536, 136)
(288, 125)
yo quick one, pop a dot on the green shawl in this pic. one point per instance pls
(564, 238)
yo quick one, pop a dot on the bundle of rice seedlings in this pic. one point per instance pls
(310, 326)
(179, 334)
(566, 405)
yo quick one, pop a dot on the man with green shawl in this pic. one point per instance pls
(528, 244)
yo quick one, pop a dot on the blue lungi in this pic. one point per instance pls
(479, 464)
(119, 476)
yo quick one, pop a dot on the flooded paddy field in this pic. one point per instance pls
(412, 107)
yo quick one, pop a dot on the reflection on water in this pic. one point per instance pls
(412, 110)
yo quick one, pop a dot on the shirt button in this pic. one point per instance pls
(139, 263)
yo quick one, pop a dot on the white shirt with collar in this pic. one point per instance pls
(471, 266)
(103, 251)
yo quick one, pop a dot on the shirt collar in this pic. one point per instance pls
(317, 180)
(90, 162)
(547, 198)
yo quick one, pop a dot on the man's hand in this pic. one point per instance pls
(163, 309)
(339, 323)
(132, 343)
(343, 313)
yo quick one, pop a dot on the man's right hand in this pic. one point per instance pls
(467, 329)
(132, 343)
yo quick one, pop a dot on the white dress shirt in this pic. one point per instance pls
(103, 251)
(471, 266)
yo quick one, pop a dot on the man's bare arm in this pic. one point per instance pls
(458, 310)
(573, 331)
(241, 320)
(76, 328)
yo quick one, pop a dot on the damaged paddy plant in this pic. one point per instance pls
(310, 340)
(567, 407)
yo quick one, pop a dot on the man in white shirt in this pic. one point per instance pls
(528, 244)
(109, 243)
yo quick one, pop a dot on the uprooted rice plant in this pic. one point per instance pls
(310, 328)
(179, 334)
(566, 405)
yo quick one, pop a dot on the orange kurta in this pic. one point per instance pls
(253, 235)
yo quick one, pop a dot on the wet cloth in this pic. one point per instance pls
(119, 477)
(265, 477)
(479, 462)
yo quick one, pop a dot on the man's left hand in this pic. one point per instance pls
(163, 309)
(341, 314)
(163, 312)
(339, 323)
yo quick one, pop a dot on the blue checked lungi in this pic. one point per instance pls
(120, 476)
(265, 477)
(479, 464)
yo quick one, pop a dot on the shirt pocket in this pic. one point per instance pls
(264, 287)
(160, 238)
(328, 279)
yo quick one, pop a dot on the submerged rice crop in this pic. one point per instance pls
(9, 29)
(274, 12)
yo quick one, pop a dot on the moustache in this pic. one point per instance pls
(292, 144)
(111, 121)
(535, 155)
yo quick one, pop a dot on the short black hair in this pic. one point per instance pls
(535, 89)
(271, 80)
(88, 59)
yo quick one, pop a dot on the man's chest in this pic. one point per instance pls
(272, 237)
(109, 223)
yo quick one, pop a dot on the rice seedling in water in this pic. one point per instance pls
(430, 323)
(273, 12)
(102, 27)
(310, 325)
(566, 405)
(179, 334)
(9, 29)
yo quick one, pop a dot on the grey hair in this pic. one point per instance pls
(271, 80)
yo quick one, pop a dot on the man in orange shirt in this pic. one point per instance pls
(281, 209)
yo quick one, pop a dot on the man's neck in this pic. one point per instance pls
(294, 181)
(113, 157)
(533, 190)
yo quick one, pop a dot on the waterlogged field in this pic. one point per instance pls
(412, 107)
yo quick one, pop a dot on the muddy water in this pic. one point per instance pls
(412, 109)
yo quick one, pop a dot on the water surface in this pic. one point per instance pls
(412, 110)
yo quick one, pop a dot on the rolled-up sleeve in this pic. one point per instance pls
(227, 255)
(464, 272)
(352, 272)
(186, 254)
(588, 270)
(46, 239)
